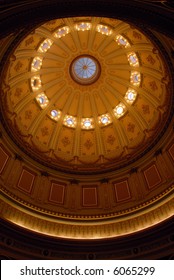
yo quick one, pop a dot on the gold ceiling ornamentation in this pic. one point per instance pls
(90, 78)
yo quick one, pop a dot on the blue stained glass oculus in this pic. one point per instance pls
(85, 70)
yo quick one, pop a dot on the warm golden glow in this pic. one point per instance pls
(42, 100)
(84, 99)
(121, 41)
(130, 96)
(45, 45)
(86, 74)
(36, 82)
(103, 29)
(55, 114)
(104, 119)
(61, 32)
(135, 78)
(133, 59)
(70, 121)
(87, 123)
(36, 64)
(120, 110)
(83, 26)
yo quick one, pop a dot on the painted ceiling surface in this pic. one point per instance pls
(86, 93)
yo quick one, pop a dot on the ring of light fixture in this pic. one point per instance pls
(85, 74)
(61, 111)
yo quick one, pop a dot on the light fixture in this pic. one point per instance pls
(42, 100)
(70, 121)
(104, 119)
(61, 32)
(130, 96)
(36, 64)
(83, 26)
(121, 41)
(133, 59)
(103, 29)
(45, 45)
(36, 82)
(55, 114)
(119, 110)
(135, 78)
(87, 123)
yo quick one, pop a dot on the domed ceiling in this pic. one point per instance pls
(86, 94)
(86, 146)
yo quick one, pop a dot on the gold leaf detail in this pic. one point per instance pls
(28, 115)
(65, 141)
(145, 109)
(29, 41)
(153, 85)
(131, 127)
(137, 35)
(45, 131)
(18, 66)
(111, 139)
(150, 59)
(18, 92)
(88, 144)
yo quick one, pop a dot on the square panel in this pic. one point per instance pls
(122, 191)
(57, 193)
(26, 181)
(3, 158)
(171, 151)
(152, 176)
(90, 196)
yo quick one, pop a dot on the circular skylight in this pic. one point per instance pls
(85, 70)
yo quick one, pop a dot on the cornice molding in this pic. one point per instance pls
(156, 243)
